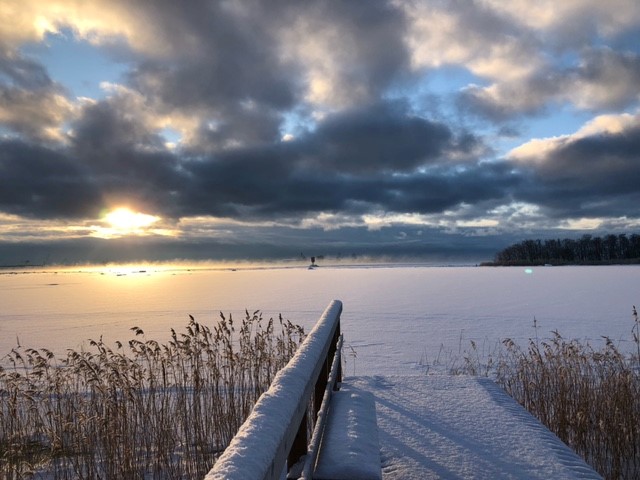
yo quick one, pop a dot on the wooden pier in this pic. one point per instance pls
(389, 427)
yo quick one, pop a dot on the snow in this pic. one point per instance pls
(397, 319)
(440, 426)
(404, 328)
(350, 447)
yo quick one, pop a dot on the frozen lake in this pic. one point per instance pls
(397, 319)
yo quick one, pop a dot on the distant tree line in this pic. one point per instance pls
(610, 249)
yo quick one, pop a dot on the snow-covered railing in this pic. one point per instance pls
(275, 433)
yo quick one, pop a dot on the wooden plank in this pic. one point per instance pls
(350, 449)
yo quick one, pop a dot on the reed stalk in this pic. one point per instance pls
(141, 409)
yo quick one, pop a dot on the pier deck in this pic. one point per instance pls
(459, 427)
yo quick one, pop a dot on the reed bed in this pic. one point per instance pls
(139, 410)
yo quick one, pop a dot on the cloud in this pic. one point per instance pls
(605, 79)
(372, 158)
(602, 80)
(37, 115)
(503, 101)
(529, 58)
(249, 67)
(100, 22)
(126, 159)
(294, 117)
(490, 43)
(593, 173)
(572, 22)
(381, 137)
(31, 104)
(239, 84)
(369, 158)
(609, 124)
(39, 182)
(357, 163)
(347, 55)
(24, 72)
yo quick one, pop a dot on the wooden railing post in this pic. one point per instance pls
(299, 446)
(332, 353)
(321, 384)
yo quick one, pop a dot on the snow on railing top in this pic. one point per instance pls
(260, 448)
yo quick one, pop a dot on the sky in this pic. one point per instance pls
(449, 129)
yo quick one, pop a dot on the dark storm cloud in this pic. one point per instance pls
(223, 184)
(39, 182)
(125, 159)
(383, 137)
(362, 161)
(104, 127)
(598, 175)
(367, 157)
(445, 187)
(381, 157)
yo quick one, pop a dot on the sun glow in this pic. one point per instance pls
(124, 221)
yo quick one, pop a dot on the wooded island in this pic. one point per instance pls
(587, 250)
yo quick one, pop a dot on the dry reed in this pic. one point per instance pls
(142, 409)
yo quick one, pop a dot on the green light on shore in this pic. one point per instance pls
(528, 271)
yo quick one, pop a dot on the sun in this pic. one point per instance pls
(125, 221)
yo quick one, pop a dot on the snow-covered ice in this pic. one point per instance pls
(396, 319)
(401, 325)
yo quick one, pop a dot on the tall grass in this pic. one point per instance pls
(142, 409)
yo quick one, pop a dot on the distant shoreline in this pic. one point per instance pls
(561, 263)
(24, 265)
(234, 265)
